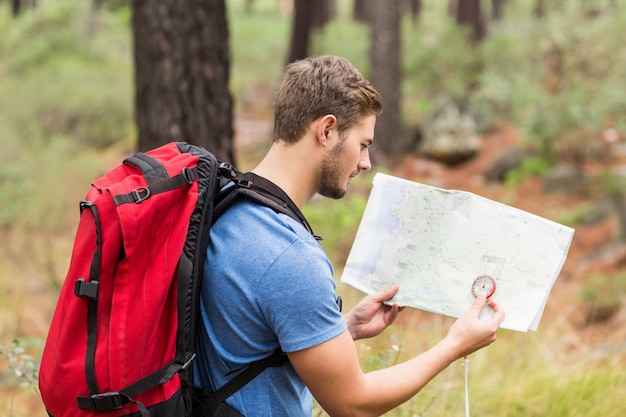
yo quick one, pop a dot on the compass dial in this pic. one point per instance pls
(484, 285)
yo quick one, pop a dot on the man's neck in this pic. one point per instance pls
(293, 168)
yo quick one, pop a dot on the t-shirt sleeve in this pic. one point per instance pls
(297, 297)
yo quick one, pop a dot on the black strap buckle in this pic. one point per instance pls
(83, 288)
(190, 175)
(85, 205)
(243, 183)
(139, 194)
(227, 170)
(101, 402)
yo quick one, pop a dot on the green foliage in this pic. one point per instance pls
(532, 166)
(438, 58)
(576, 214)
(65, 71)
(23, 367)
(64, 92)
(613, 183)
(337, 223)
(603, 295)
(561, 86)
(40, 187)
(38, 180)
(258, 45)
(388, 357)
(346, 38)
(525, 375)
(579, 392)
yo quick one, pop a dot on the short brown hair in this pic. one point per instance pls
(314, 87)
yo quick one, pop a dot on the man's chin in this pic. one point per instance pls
(335, 194)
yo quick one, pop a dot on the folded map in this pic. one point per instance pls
(436, 243)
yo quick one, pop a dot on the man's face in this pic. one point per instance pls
(347, 158)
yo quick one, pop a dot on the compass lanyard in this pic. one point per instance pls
(465, 372)
(483, 285)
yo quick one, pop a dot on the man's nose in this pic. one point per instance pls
(365, 164)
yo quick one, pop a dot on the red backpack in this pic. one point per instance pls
(122, 336)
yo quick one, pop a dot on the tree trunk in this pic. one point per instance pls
(385, 70)
(182, 69)
(540, 9)
(300, 30)
(322, 12)
(496, 9)
(360, 10)
(416, 9)
(468, 14)
(16, 7)
(620, 206)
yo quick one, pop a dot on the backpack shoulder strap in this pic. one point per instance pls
(261, 190)
(249, 185)
(209, 401)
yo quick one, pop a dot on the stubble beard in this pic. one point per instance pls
(330, 178)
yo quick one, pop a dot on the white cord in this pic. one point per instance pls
(466, 366)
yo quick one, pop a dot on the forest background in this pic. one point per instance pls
(543, 83)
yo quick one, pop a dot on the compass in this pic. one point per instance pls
(483, 285)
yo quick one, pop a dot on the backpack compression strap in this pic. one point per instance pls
(157, 178)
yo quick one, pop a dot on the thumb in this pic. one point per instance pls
(390, 292)
(385, 294)
(477, 306)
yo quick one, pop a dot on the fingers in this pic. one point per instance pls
(498, 314)
(480, 302)
(473, 332)
(392, 313)
(385, 294)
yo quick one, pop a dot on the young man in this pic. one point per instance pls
(273, 286)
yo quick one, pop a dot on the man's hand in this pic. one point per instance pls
(371, 315)
(469, 333)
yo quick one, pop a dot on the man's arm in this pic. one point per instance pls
(333, 374)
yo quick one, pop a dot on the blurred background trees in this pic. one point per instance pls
(84, 83)
(448, 71)
(182, 66)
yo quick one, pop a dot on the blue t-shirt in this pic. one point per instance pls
(267, 283)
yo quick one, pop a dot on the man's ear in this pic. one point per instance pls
(326, 125)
